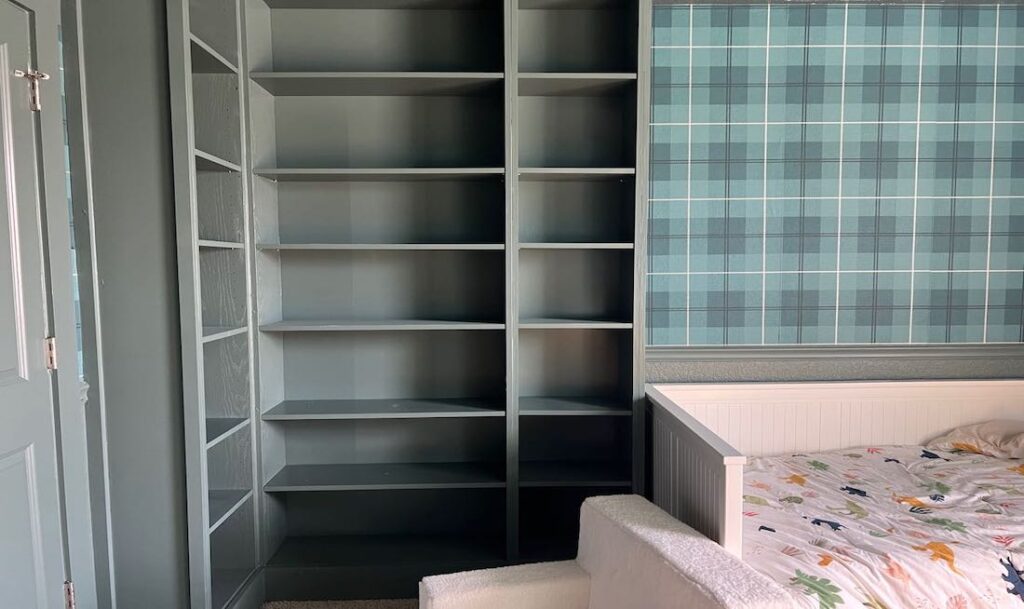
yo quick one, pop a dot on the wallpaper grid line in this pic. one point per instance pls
(837, 174)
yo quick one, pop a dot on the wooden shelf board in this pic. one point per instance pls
(386, 476)
(376, 83)
(219, 429)
(313, 410)
(381, 246)
(561, 323)
(377, 175)
(573, 474)
(224, 503)
(379, 4)
(542, 84)
(214, 244)
(211, 162)
(206, 60)
(572, 406)
(381, 325)
(215, 333)
(576, 245)
(540, 174)
(386, 550)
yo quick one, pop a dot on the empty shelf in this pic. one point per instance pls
(214, 244)
(205, 60)
(376, 83)
(218, 429)
(378, 325)
(386, 550)
(214, 333)
(378, 4)
(573, 83)
(572, 406)
(575, 173)
(386, 476)
(225, 503)
(573, 473)
(210, 162)
(576, 245)
(571, 4)
(381, 246)
(377, 175)
(311, 410)
(559, 323)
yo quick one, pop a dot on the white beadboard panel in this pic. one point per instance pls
(779, 418)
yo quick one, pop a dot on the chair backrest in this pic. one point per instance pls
(639, 556)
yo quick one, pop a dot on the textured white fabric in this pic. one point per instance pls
(638, 556)
(552, 585)
(1000, 439)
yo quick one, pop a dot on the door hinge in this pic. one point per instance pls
(51, 353)
(69, 595)
(35, 95)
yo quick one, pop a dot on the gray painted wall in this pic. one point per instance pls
(126, 81)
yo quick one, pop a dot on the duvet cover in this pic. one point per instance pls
(888, 528)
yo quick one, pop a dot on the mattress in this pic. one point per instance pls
(888, 527)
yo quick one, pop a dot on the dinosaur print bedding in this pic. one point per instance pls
(888, 528)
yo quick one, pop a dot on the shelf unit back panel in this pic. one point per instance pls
(380, 285)
(393, 365)
(391, 212)
(575, 363)
(451, 440)
(577, 131)
(389, 131)
(576, 284)
(388, 40)
(226, 378)
(578, 39)
(576, 211)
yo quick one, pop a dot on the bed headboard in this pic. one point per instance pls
(776, 418)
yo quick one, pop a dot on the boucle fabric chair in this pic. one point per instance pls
(632, 555)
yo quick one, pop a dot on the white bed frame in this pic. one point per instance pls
(701, 435)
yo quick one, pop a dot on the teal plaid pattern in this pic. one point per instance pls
(836, 174)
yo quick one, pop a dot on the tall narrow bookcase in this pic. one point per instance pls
(446, 253)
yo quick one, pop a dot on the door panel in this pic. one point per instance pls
(31, 546)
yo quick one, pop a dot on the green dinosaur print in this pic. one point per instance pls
(818, 465)
(946, 523)
(792, 499)
(937, 487)
(755, 500)
(879, 534)
(852, 509)
(874, 603)
(825, 590)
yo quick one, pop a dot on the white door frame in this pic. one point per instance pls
(70, 412)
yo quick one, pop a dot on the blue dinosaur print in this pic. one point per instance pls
(854, 491)
(920, 510)
(768, 529)
(927, 454)
(1013, 577)
(937, 498)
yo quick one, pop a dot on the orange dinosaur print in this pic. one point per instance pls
(967, 447)
(911, 501)
(761, 486)
(1019, 469)
(797, 479)
(941, 552)
(826, 560)
(896, 571)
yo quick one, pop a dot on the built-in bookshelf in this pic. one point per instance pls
(431, 293)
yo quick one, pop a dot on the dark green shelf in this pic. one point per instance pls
(573, 473)
(362, 550)
(386, 476)
(572, 406)
(389, 174)
(382, 325)
(545, 84)
(298, 84)
(218, 429)
(224, 503)
(561, 323)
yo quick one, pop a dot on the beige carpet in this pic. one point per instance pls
(395, 604)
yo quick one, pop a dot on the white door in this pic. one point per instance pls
(31, 546)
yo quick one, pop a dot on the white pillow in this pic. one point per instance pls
(1002, 439)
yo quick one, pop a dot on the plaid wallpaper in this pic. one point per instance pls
(837, 174)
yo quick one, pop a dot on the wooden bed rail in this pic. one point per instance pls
(695, 475)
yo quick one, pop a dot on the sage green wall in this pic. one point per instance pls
(126, 80)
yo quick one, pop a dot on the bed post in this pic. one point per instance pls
(695, 475)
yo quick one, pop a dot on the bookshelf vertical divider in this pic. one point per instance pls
(411, 247)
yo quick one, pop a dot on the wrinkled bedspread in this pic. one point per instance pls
(888, 527)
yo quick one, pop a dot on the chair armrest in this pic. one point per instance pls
(552, 585)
